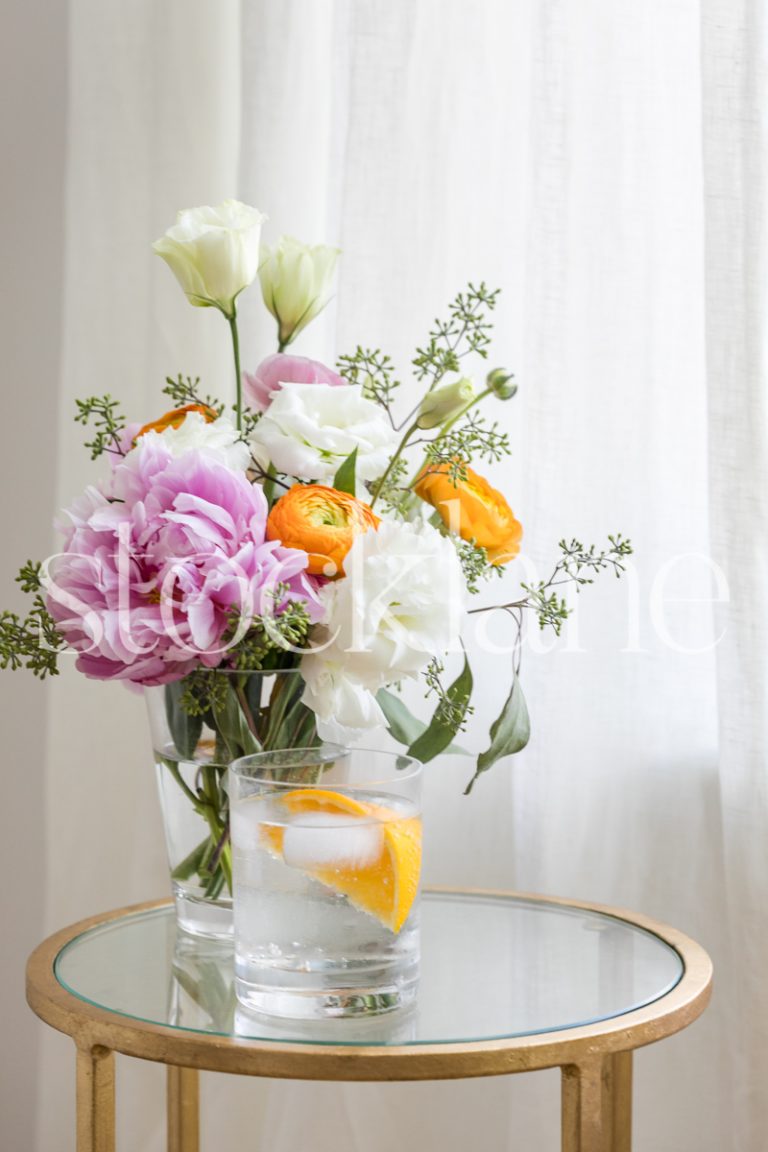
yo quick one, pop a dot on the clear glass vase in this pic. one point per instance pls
(199, 725)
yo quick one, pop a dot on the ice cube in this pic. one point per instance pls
(244, 827)
(331, 840)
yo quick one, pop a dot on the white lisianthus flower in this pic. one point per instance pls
(399, 606)
(309, 430)
(344, 710)
(296, 283)
(214, 252)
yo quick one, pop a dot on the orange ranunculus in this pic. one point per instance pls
(321, 522)
(474, 509)
(176, 417)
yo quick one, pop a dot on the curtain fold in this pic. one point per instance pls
(553, 149)
(734, 94)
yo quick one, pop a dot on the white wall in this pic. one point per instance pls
(33, 92)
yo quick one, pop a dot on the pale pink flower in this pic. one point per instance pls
(283, 369)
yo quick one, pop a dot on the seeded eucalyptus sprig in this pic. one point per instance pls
(265, 643)
(466, 330)
(578, 565)
(203, 690)
(577, 559)
(459, 446)
(374, 372)
(475, 565)
(184, 390)
(29, 577)
(108, 423)
(31, 641)
(394, 495)
(453, 708)
(249, 420)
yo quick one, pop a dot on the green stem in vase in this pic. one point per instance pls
(192, 864)
(220, 848)
(216, 885)
(304, 730)
(281, 702)
(211, 860)
(246, 710)
(219, 868)
(173, 768)
(210, 778)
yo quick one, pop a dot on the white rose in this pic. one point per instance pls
(399, 606)
(214, 252)
(296, 283)
(309, 430)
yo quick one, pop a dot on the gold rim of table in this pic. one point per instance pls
(91, 1026)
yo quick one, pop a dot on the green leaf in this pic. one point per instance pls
(439, 734)
(510, 732)
(185, 729)
(402, 725)
(344, 480)
(233, 728)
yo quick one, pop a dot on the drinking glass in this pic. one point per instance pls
(326, 856)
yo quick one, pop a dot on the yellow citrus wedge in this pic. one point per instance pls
(386, 888)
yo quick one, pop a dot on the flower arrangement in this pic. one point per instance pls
(308, 527)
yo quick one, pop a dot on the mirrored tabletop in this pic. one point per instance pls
(493, 967)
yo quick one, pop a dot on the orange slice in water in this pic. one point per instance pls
(386, 888)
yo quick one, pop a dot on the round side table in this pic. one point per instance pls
(509, 983)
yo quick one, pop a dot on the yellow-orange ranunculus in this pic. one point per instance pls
(474, 509)
(321, 522)
(176, 417)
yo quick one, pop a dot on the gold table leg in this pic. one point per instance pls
(597, 1105)
(620, 1077)
(95, 1100)
(183, 1104)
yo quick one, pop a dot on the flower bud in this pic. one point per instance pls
(296, 283)
(500, 383)
(445, 403)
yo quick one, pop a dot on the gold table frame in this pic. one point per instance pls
(595, 1059)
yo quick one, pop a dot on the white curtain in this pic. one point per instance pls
(603, 163)
(735, 56)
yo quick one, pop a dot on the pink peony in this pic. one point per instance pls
(282, 369)
(147, 581)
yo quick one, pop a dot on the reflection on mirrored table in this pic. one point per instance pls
(491, 967)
